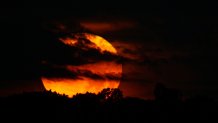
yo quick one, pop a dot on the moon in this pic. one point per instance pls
(97, 70)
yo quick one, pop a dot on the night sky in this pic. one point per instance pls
(175, 44)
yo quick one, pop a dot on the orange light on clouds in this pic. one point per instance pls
(97, 26)
(100, 43)
(68, 41)
(100, 67)
(109, 71)
(107, 26)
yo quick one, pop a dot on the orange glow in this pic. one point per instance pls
(84, 84)
(71, 87)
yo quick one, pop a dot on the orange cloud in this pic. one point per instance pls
(97, 42)
(107, 26)
(99, 68)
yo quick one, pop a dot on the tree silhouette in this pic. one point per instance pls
(107, 106)
(112, 95)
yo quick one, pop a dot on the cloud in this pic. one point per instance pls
(82, 52)
(97, 76)
(144, 53)
(128, 51)
(57, 71)
(107, 26)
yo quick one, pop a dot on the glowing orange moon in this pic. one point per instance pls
(103, 68)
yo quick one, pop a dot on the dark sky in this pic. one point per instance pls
(172, 43)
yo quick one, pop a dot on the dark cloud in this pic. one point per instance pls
(128, 51)
(98, 76)
(83, 52)
(56, 71)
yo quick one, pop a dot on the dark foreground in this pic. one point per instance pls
(107, 107)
